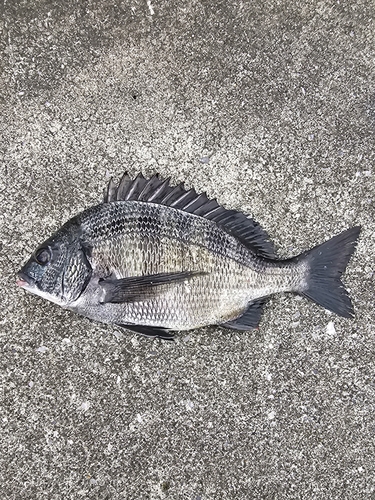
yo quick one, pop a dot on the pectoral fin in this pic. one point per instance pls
(140, 288)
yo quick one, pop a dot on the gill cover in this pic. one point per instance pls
(59, 269)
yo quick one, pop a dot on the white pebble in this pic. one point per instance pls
(42, 349)
(330, 329)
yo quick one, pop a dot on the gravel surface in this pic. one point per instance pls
(270, 108)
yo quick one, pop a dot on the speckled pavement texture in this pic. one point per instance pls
(269, 107)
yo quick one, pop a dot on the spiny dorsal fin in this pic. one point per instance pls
(156, 190)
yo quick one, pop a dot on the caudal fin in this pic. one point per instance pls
(327, 262)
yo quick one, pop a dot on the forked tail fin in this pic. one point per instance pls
(327, 262)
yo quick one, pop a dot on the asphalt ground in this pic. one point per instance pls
(269, 107)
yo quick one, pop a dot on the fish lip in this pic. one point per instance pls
(24, 280)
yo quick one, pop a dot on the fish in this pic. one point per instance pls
(154, 259)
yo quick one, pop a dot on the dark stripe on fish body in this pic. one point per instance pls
(147, 225)
(219, 242)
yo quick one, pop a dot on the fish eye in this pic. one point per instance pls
(43, 256)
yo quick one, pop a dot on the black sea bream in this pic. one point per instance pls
(155, 258)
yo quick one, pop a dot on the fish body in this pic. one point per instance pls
(155, 258)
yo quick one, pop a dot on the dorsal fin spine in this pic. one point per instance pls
(160, 189)
(182, 199)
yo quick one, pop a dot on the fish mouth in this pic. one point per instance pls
(24, 280)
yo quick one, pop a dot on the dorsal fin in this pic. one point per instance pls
(156, 190)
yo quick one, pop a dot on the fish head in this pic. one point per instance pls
(58, 270)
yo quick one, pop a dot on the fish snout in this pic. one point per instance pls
(23, 279)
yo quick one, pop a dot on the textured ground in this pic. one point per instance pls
(269, 107)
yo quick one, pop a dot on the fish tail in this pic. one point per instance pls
(326, 264)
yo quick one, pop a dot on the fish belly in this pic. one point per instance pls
(217, 296)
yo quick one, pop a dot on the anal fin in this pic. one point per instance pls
(250, 319)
